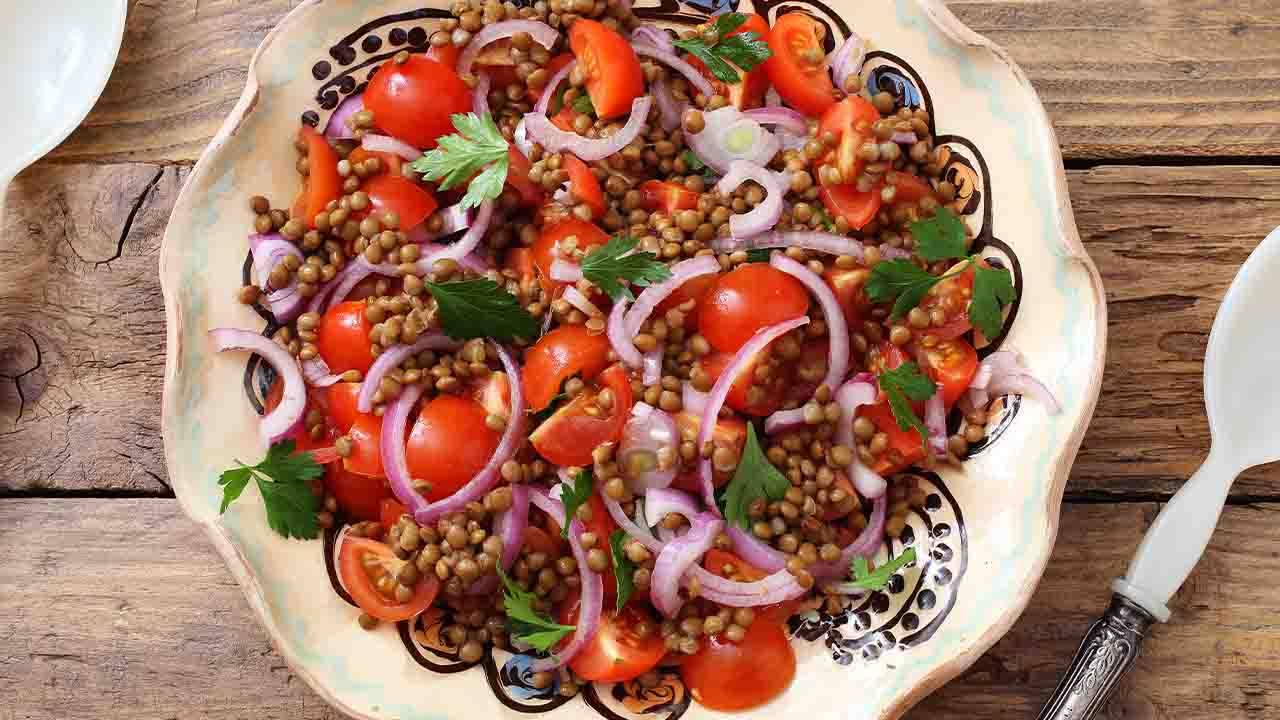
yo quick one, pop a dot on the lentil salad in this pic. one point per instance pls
(621, 345)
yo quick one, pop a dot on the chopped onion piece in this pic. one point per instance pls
(317, 373)
(466, 244)
(660, 502)
(647, 437)
(785, 119)
(729, 136)
(651, 365)
(935, 420)
(784, 421)
(512, 438)
(860, 390)
(542, 33)
(339, 126)
(755, 551)
(670, 109)
(763, 216)
(1002, 373)
(681, 273)
(480, 95)
(847, 59)
(677, 558)
(745, 355)
(837, 328)
(653, 35)
(521, 138)
(390, 359)
(565, 271)
(268, 250)
(620, 339)
(551, 506)
(554, 139)
(293, 402)
(395, 425)
(574, 297)
(548, 91)
(692, 399)
(904, 138)
(388, 144)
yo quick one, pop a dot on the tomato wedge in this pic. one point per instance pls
(798, 66)
(560, 354)
(724, 675)
(359, 496)
(610, 66)
(908, 188)
(857, 208)
(617, 652)
(344, 338)
(729, 432)
(747, 299)
(906, 447)
(531, 194)
(362, 563)
(340, 405)
(583, 184)
(952, 364)
(389, 512)
(392, 164)
(406, 198)
(416, 99)
(568, 437)
(544, 249)
(323, 183)
(366, 454)
(849, 286)
(773, 395)
(667, 196)
(850, 120)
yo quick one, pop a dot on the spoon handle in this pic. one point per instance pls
(1105, 654)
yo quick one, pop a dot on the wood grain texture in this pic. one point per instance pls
(82, 328)
(1120, 78)
(128, 613)
(1167, 240)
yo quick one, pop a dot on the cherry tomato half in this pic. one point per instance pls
(724, 675)
(560, 354)
(694, 290)
(798, 66)
(610, 66)
(616, 653)
(365, 435)
(449, 443)
(952, 364)
(362, 562)
(323, 184)
(751, 297)
(765, 400)
(849, 286)
(406, 198)
(416, 99)
(583, 184)
(340, 405)
(359, 496)
(343, 339)
(668, 197)
(568, 437)
(857, 208)
(752, 85)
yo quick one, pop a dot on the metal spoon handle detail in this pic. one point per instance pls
(1105, 654)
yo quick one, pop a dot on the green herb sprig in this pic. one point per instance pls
(526, 624)
(863, 577)
(624, 571)
(729, 53)
(755, 479)
(477, 147)
(480, 308)
(608, 266)
(575, 495)
(284, 481)
(901, 386)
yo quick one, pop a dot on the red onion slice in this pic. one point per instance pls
(574, 297)
(620, 339)
(268, 250)
(511, 523)
(554, 139)
(785, 119)
(388, 144)
(730, 136)
(592, 603)
(542, 33)
(651, 367)
(549, 505)
(904, 138)
(512, 438)
(804, 239)
(337, 555)
(693, 400)
(660, 502)
(521, 139)
(673, 61)
(544, 101)
(681, 273)
(860, 390)
(395, 425)
(391, 358)
(565, 271)
(784, 421)
(317, 373)
(670, 110)
(1028, 385)
(480, 95)
(293, 402)
(677, 558)
(935, 420)
(1002, 373)
(889, 252)
(783, 591)
(648, 34)
(837, 328)
(466, 244)
(865, 545)
(720, 391)
(339, 126)
(643, 535)
(772, 98)
(847, 59)
(646, 438)
(755, 551)
(763, 216)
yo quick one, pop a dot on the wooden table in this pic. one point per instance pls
(112, 604)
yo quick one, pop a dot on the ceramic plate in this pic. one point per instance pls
(984, 533)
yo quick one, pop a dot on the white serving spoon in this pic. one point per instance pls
(55, 58)
(1242, 398)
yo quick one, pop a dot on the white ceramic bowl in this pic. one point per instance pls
(984, 534)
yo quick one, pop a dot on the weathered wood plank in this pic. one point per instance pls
(82, 328)
(1119, 78)
(127, 612)
(1167, 240)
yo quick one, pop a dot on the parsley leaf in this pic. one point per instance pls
(756, 478)
(693, 161)
(864, 577)
(526, 624)
(480, 308)
(940, 237)
(574, 496)
(583, 105)
(283, 479)
(615, 261)
(992, 290)
(755, 255)
(623, 569)
(745, 50)
(478, 145)
(902, 385)
(902, 281)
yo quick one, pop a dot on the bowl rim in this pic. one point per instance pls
(943, 19)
